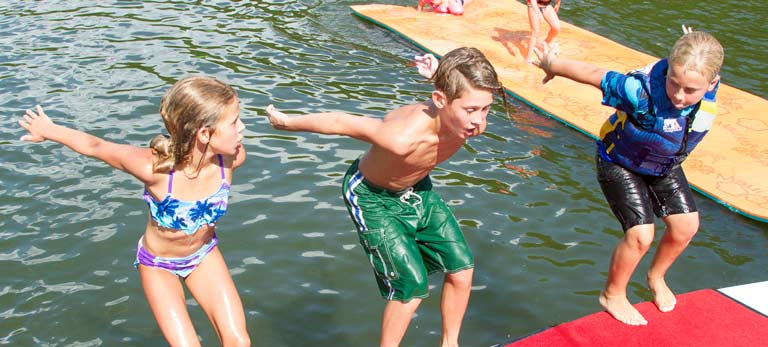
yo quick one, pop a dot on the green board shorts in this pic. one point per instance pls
(406, 235)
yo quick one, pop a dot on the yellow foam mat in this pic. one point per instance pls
(730, 165)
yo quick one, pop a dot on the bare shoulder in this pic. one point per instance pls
(411, 113)
(406, 128)
(142, 165)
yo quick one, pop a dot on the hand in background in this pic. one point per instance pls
(426, 65)
(545, 60)
(36, 123)
(276, 118)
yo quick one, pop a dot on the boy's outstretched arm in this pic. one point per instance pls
(329, 123)
(572, 69)
(123, 157)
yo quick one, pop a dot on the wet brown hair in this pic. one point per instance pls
(191, 103)
(463, 68)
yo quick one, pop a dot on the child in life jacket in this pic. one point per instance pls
(662, 112)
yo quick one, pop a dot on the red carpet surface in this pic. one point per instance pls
(701, 318)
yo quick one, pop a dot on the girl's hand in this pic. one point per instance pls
(36, 123)
(687, 29)
(545, 60)
(276, 118)
(426, 65)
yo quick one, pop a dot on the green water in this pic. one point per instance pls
(542, 234)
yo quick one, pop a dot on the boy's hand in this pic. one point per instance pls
(276, 118)
(426, 65)
(545, 60)
(687, 29)
(36, 123)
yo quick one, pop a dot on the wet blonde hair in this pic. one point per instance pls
(698, 51)
(191, 103)
(463, 68)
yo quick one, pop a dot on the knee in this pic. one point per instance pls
(681, 228)
(640, 241)
(239, 340)
(555, 27)
(683, 233)
(236, 338)
(460, 280)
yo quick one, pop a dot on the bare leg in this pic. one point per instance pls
(453, 305)
(680, 231)
(165, 296)
(397, 316)
(534, 19)
(550, 16)
(624, 260)
(214, 290)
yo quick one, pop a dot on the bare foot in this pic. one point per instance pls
(620, 308)
(662, 295)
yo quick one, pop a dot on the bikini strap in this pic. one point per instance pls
(170, 181)
(221, 166)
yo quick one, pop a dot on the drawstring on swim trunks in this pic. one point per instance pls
(407, 198)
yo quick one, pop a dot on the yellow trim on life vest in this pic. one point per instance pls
(609, 127)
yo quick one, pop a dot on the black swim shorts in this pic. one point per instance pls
(633, 197)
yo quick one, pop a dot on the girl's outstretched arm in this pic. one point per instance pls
(134, 160)
(572, 69)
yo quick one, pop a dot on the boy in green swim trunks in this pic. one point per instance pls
(406, 229)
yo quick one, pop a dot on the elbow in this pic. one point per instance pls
(93, 147)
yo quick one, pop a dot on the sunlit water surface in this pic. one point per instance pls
(524, 192)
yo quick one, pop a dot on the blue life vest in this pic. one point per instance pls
(654, 137)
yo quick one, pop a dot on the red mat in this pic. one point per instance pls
(701, 318)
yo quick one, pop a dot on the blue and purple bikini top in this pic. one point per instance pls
(188, 216)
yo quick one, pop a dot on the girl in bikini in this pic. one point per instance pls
(187, 179)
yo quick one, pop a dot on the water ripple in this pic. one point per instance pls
(524, 193)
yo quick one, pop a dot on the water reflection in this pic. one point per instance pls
(524, 192)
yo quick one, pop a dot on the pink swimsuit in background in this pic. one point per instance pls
(453, 6)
